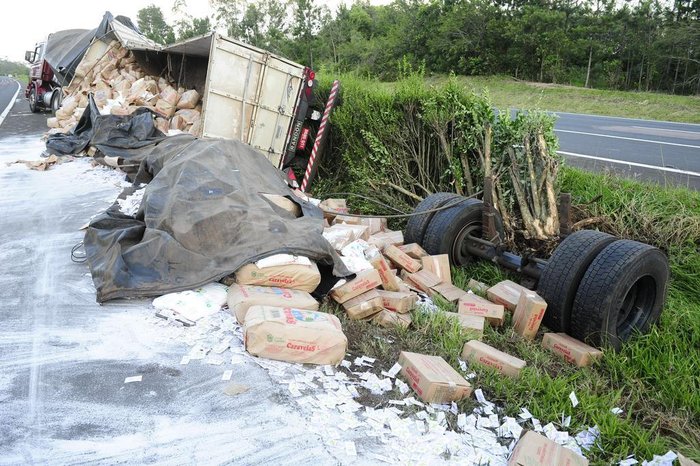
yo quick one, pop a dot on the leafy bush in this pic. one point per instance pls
(399, 143)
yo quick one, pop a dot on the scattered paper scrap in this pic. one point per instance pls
(227, 374)
(617, 411)
(574, 400)
(135, 378)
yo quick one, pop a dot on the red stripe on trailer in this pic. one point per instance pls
(319, 136)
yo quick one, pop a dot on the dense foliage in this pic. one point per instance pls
(646, 45)
(631, 45)
(399, 144)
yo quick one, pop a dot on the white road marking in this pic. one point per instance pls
(627, 139)
(12, 102)
(633, 164)
(627, 118)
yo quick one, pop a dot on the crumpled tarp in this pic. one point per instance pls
(65, 49)
(201, 218)
(113, 135)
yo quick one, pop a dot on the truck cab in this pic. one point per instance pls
(42, 91)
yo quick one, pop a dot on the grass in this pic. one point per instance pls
(654, 378)
(508, 93)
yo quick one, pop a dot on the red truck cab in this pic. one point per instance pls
(43, 92)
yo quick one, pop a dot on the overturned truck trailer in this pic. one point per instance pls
(248, 94)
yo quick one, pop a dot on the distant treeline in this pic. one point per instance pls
(631, 45)
(13, 68)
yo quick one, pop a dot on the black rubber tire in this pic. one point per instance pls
(417, 224)
(447, 229)
(56, 101)
(562, 275)
(32, 101)
(622, 292)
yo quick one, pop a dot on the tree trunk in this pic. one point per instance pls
(675, 76)
(641, 73)
(588, 70)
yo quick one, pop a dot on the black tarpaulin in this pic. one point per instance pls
(201, 218)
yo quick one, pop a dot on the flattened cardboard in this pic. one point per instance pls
(571, 349)
(506, 293)
(386, 318)
(294, 335)
(528, 314)
(423, 281)
(363, 282)
(398, 301)
(363, 306)
(413, 250)
(295, 276)
(439, 265)
(448, 291)
(390, 281)
(481, 353)
(401, 259)
(242, 297)
(471, 304)
(534, 449)
(433, 380)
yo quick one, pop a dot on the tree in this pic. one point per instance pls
(152, 24)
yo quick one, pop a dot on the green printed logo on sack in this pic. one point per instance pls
(297, 315)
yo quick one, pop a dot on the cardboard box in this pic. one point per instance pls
(294, 335)
(375, 224)
(528, 314)
(294, 276)
(386, 318)
(477, 286)
(414, 250)
(534, 449)
(285, 203)
(481, 353)
(243, 297)
(473, 325)
(390, 281)
(337, 206)
(401, 259)
(439, 265)
(433, 380)
(506, 293)
(423, 281)
(398, 301)
(471, 304)
(384, 238)
(365, 305)
(363, 282)
(569, 348)
(448, 291)
(346, 219)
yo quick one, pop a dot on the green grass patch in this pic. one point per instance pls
(654, 378)
(508, 93)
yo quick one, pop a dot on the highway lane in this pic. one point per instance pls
(660, 151)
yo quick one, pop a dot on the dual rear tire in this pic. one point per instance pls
(599, 289)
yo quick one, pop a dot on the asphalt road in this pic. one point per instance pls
(660, 151)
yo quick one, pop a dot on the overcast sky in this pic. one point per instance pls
(24, 23)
